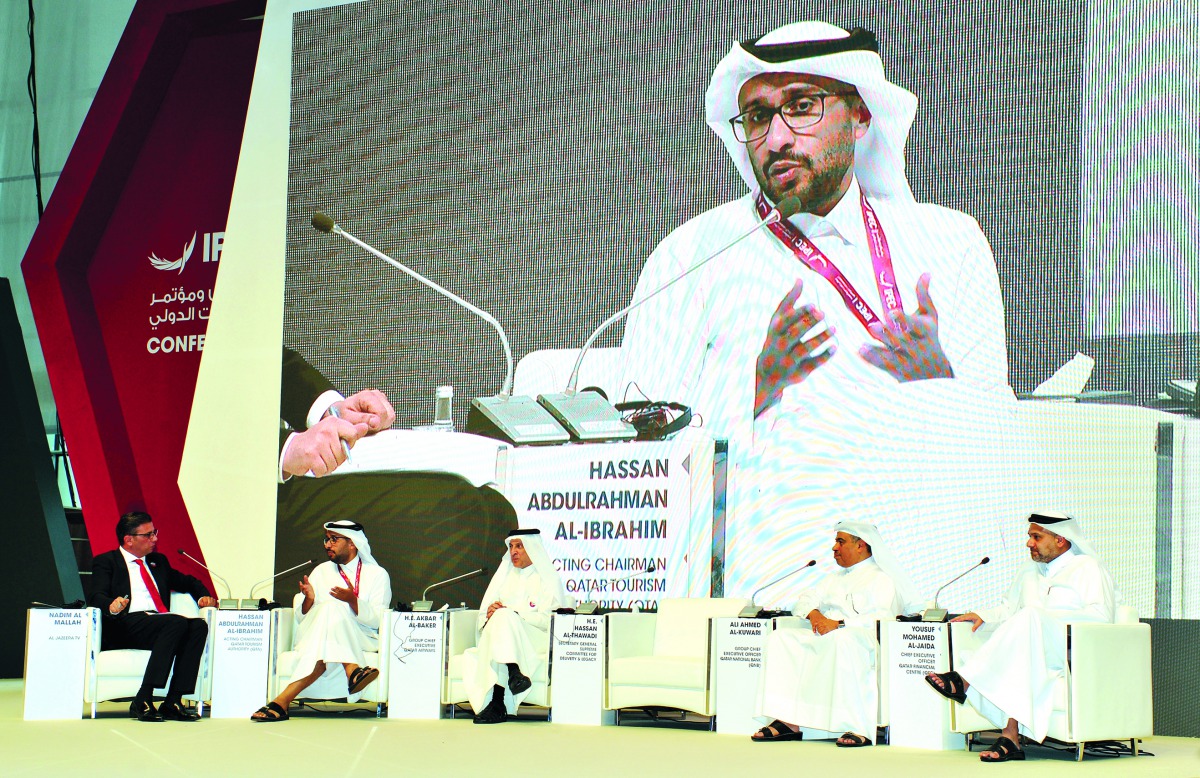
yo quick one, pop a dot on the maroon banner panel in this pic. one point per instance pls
(121, 269)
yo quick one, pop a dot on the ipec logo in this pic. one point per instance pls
(176, 264)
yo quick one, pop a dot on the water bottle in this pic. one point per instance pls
(443, 409)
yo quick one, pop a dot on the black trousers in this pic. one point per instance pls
(171, 639)
(423, 528)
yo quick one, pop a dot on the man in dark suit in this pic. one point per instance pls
(132, 587)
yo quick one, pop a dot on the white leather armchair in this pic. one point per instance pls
(665, 658)
(116, 674)
(462, 636)
(331, 685)
(1105, 692)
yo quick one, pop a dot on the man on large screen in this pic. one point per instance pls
(857, 346)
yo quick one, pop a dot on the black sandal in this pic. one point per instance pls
(271, 712)
(856, 740)
(953, 686)
(361, 679)
(781, 732)
(1007, 750)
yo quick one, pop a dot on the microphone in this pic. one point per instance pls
(933, 612)
(752, 610)
(518, 420)
(228, 593)
(424, 604)
(586, 415)
(292, 569)
(588, 606)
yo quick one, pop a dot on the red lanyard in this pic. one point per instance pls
(815, 260)
(357, 577)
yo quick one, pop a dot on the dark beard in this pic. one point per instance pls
(820, 192)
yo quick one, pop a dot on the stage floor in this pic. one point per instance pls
(358, 744)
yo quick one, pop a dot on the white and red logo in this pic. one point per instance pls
(177, 264)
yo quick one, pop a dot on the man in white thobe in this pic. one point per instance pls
(338, 621)
(514, 628)
(864, 335)
(826, 678)
(1010, 679)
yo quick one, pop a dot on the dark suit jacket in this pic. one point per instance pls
(301, 384)
(110, 580)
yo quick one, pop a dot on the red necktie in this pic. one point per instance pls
(154, 595)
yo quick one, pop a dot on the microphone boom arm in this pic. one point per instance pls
(506, 390)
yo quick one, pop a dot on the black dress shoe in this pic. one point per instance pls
(492, 714)
(517, 681)
(143, 711)
(173, 711)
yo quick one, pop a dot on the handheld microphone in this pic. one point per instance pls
(424, 605)
(586, 415)
(752, 610)
(518, 420)
(281, 572)
(228, 592)
(933, 612)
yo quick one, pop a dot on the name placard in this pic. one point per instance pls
(919, 718)
(415, 665)
(577, 664)
(738, 646)
(628, 522)
(241, 655)
(55, 653)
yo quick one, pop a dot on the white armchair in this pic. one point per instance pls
(331, 685)
(1105, 692)
(665, 658)
(462, 636)
(116, 674)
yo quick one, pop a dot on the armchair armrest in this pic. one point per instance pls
(1110, 680)
(283, 629)
(792, 622)
(631, 634)
(461, 631)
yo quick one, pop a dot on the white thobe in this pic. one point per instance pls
(519, 632)
(828, 681)
(1013, 674)
(925, 454)
(330, 631)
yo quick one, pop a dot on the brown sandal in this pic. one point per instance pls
(776, 730)
(361, 679)
(272, 711)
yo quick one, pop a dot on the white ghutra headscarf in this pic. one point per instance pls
(821, 49)
(906, 591)
(354, 531)
(551, 591)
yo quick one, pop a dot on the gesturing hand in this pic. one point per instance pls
(369, 407)
(790, 353)
(910, 349)
(319, 448)
(346, 595)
